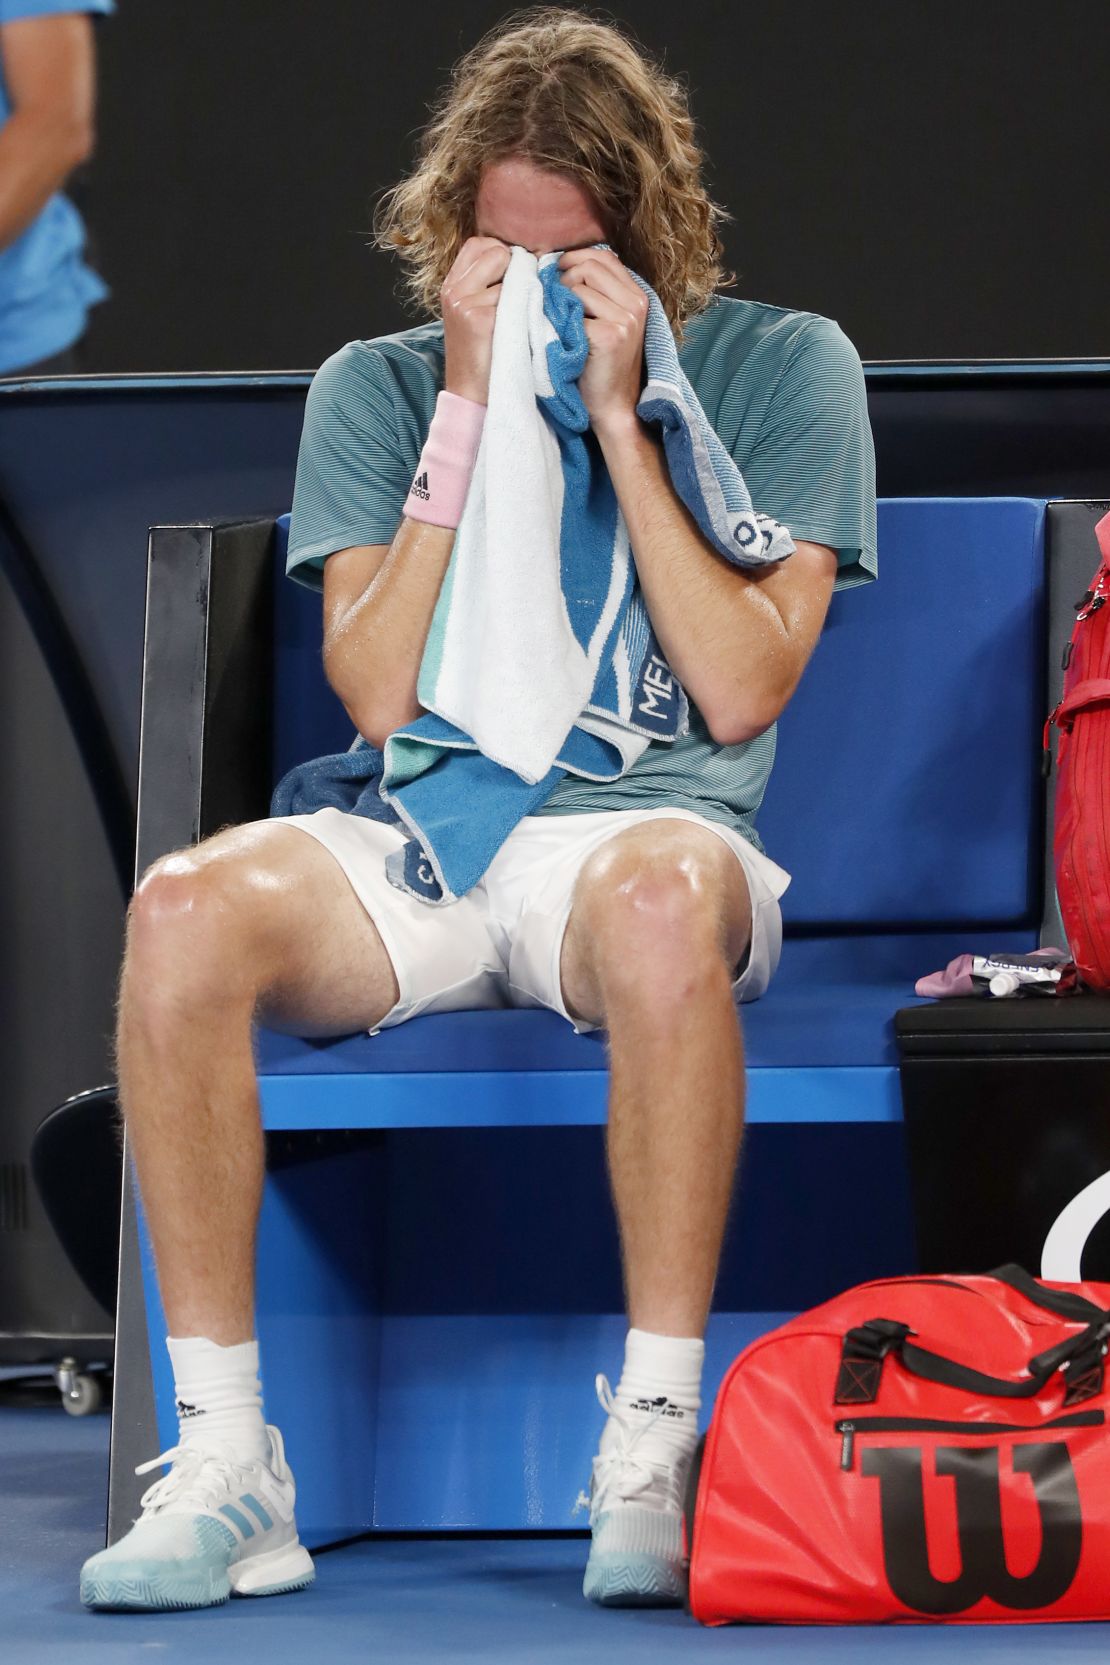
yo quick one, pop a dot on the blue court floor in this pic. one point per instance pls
(388, 1601)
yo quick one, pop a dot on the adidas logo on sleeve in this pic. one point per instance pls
(419, 487)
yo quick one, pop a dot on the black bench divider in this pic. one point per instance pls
(204, 763)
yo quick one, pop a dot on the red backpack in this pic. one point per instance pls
(852, 1475)
(1082, 842)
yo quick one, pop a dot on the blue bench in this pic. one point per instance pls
(437, 1262)
(922, 699)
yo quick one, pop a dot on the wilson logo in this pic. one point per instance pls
(983, 1568)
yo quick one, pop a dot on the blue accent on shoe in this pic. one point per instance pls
(616, 1580)
(123, 1578)
(256, 1509)
(238, 1518)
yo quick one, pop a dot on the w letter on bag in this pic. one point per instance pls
(983, 1569)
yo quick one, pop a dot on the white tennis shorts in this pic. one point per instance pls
(500, 944)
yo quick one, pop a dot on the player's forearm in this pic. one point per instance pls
(372, 657)
(38, 151)
(377, 649)
(723, 636)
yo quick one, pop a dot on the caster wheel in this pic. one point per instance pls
(83, 1396)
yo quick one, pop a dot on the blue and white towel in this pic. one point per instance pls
(540, 659)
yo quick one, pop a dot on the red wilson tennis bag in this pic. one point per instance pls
(1082, 842)
(853, 1474)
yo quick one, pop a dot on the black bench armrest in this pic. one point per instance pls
(204, 763)
(205, 737)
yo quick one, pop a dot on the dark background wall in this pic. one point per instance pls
(929, 172)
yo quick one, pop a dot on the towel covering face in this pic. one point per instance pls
(541, 572)
(786, 395)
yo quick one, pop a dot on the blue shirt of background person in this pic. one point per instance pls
(46, 107)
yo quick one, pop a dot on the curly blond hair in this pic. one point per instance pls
(565, 91)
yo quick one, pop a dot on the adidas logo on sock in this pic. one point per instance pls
(663, 1405)
(187, 1410)
(419, 487)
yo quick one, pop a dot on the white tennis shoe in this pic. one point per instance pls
(637, 1552)
(213, 1527)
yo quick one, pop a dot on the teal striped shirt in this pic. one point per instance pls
(783, 389)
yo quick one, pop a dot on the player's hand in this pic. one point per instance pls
(468, 298)
(616, 310)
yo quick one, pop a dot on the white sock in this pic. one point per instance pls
(219, 1394)
(661, 1373)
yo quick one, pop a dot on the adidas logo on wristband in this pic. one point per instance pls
(419, 487)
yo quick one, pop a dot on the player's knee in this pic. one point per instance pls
(655, 928)
(192, 927)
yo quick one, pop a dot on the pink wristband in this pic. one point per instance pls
(442, 480)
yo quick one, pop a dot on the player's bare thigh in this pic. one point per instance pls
(664, 876)
(272, 902)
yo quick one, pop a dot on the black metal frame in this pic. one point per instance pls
(204, 763)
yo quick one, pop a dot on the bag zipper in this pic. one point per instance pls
(848, 1429)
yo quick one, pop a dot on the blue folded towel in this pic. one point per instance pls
(541, 570)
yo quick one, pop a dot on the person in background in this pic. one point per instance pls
(47, 104)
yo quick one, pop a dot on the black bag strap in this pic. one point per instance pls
(1062, 1302)
(866, 1347)
(1079, 1357)
(932, 1367)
